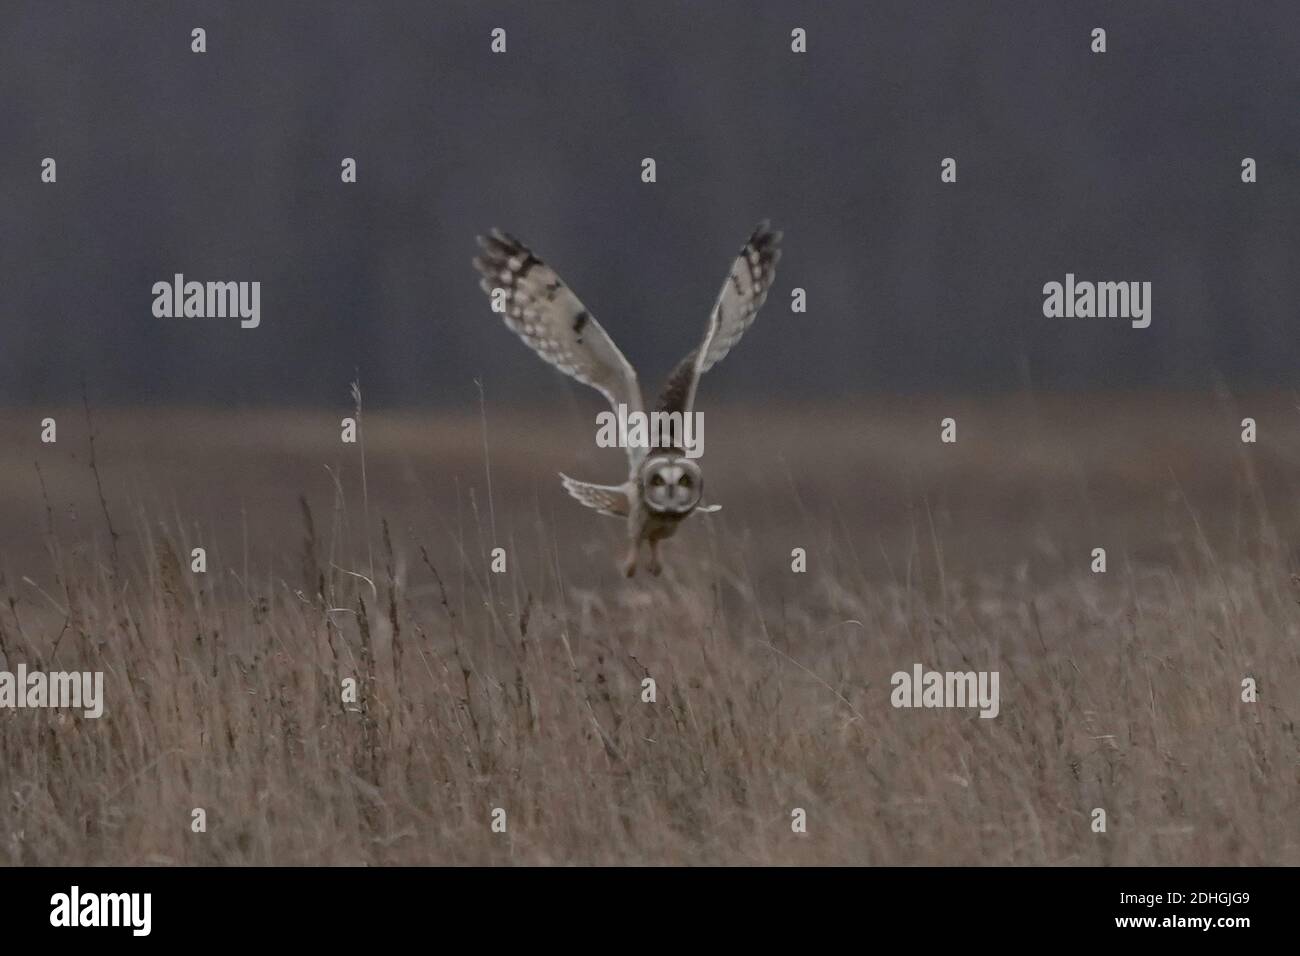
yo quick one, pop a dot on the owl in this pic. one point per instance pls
(663, 485)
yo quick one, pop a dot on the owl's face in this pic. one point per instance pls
(671, 484)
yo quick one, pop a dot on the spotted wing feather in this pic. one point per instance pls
(743, 294)
(553, 322)
(609, 500)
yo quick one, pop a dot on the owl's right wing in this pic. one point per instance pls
(612, 500)
(545, 313)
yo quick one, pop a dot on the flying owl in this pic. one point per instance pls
(663, 486)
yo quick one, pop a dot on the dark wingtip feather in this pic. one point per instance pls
(764, 238)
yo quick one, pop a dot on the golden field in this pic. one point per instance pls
(523, 690)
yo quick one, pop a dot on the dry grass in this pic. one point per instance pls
(523, 690)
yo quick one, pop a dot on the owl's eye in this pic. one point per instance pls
(684, 481)
(656, 480)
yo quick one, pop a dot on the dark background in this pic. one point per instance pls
(225, 166)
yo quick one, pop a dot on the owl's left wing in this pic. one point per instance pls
(743, 294)
(554, 323)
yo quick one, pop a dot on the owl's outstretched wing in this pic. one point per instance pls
(742, 296)
(545, 313)
(609, 500)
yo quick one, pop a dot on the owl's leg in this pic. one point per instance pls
(635, 528)
(654, 567)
